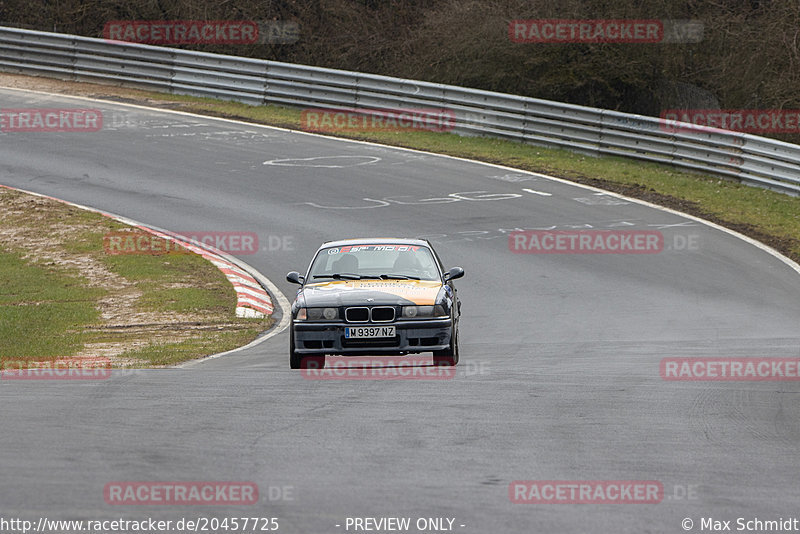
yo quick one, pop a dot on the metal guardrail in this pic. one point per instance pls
(748, 158)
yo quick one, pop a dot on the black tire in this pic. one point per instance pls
(298, 361)
(294, 359)
(449, 356)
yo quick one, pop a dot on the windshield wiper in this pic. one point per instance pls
(398, 277)
(339, 276)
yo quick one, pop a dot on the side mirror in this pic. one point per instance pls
(452, 274)
(294, 277)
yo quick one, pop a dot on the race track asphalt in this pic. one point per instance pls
(559, 378)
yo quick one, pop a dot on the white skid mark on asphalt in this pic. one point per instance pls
(601, 200)
(319, 161)
(513, 177)
(538, 192)
(673, 225)
(477, 196)
(380, 204)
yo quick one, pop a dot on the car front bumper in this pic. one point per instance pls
(411, 337)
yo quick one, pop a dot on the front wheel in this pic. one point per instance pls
(297, 361)
(294, 358)
(448, 356)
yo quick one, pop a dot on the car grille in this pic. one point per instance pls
(382, 314)
(362, 314)
(356, 315)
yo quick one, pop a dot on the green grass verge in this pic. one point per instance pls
(42, 310)
(771, 217)
(56, 277)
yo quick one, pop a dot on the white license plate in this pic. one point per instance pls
(366, 332)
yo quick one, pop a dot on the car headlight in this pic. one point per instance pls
(323, 314)
(409, 312)
(302, 315)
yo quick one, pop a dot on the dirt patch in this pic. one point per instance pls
(92, 90)
(39, 229)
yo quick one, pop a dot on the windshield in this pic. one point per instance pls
(381, 261)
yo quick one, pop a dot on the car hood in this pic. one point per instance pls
(383, 292)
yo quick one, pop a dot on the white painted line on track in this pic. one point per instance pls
(306, 162)
(542, 193)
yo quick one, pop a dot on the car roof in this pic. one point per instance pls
(376, 241)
